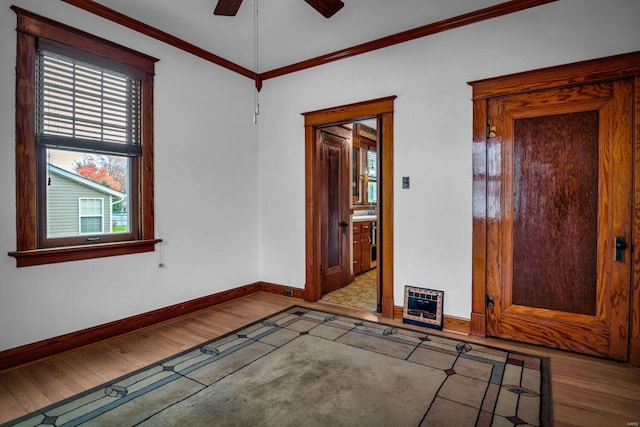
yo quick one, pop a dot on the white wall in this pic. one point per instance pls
(206, 174)
(433, 121)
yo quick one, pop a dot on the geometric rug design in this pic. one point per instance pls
(303, 367)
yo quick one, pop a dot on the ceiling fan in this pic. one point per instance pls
(327, 8)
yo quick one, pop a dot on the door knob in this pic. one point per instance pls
(344, 225)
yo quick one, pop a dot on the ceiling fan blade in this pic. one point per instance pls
(227, 7)
(327, 8)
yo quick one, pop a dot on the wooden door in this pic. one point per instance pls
(559, 198)
(335, 214)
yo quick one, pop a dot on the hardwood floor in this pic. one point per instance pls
(586, 391)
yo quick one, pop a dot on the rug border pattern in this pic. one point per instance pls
(380, 329)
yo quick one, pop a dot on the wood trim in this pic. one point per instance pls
(385, 214)
(63, 343)
(26, 176)
(455, 324)
(479, 208)
(416, 33)
(33, 257)
(148, 30)
(419, 32)
(312, 290)
(345, 113)
(40, 26)
(273, 288)
(596, 70)
(590, 71)
(634, 345)
(145, 173)
(381, 108)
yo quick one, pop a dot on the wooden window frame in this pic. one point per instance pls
(29, 201)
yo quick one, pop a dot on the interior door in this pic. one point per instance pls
(335, 225)
(559, 201)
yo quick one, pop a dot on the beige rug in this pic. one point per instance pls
(309, 368)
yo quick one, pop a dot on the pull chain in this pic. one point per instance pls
(256, 111)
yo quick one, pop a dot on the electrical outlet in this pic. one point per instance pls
(288, 292)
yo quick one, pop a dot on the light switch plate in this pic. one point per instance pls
(405, 182)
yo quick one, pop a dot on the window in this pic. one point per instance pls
(368, 160)
(365, 165)
(91, 215)
(84, 145)
(84, 111)
(372, 174)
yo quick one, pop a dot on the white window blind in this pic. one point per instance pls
(372, 163)
(368, 159)
(84, 107)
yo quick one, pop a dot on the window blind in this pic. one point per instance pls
(85, 107)
(372, 163)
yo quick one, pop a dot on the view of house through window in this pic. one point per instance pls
(86, 193)
(87, 119)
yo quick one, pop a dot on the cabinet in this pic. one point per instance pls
(361, 247)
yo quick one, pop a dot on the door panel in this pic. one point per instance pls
(555, 211)
(335, 214)
(559, 192)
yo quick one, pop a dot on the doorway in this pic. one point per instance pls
(316, 201)
(553, 207)
(348, 214)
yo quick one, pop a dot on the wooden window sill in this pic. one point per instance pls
(73, 253)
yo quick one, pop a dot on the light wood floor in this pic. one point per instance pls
(586, 391)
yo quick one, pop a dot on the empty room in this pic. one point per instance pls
(287, 212)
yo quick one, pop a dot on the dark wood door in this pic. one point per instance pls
(335, 225)
(559, 198)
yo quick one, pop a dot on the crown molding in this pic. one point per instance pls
(133, 24)
(405, 36)
(501, 9)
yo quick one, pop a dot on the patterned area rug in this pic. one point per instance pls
(304, 367)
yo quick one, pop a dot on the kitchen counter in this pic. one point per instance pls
(361, 218)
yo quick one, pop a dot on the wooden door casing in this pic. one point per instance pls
(600, 326)
(624, 66)
(382, 109)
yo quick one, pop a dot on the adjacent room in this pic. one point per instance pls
(172, 174)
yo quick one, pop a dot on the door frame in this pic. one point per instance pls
(382, 109)
(624, 66)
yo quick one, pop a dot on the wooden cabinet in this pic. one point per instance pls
(361, 247)
(357, 248)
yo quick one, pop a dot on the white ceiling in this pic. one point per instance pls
(290, 31)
